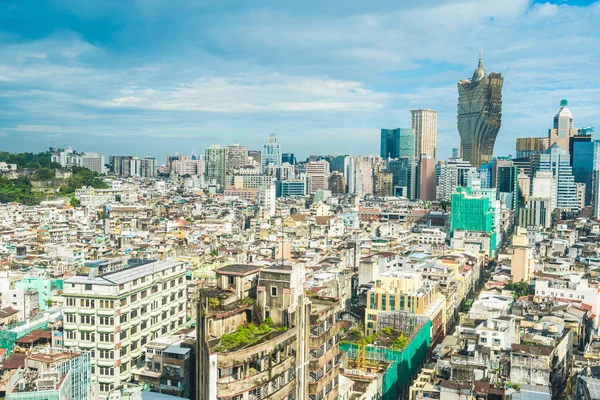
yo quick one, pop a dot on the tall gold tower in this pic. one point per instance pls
(479, 114)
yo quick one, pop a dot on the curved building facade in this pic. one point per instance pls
(479, 115)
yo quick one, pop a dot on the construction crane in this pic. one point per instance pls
(361, 356)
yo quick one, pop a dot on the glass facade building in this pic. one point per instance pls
(397, 143)
(586, 157)
(556, 160)
(403, 172)
(271, 153)
(479, 115)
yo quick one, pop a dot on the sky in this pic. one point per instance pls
(158, 77)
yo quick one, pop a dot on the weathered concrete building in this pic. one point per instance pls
(274, 344)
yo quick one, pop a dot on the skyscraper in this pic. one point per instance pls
(271, 153)
(556, 160)
(562, 130)
(397, 143)
(479, 115)
(404, 177)
(215, 166)
(424, 125)
(585, 156)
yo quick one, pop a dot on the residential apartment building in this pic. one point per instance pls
(293, 352)
(113, 315)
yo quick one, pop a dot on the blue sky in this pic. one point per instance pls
(155, 77)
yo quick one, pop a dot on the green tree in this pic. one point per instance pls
(74, 202)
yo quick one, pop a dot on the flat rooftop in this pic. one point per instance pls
(125, 275)
(238, 269)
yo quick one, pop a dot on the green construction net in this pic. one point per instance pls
(405, 364)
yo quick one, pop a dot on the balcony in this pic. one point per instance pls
(106, 328)
(87, 328)
(70, 310)
(106, 345)
(320, 361)
(325, 336)
(105, 362)
(69, 326)
(87, 311)
(105, 312)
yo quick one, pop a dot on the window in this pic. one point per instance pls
(372, 302)
(274, 291)
(71, 335)
(88, 287)
(107, 354)
(87, 319)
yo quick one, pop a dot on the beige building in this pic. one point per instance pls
(424, 124)
(522, 262)
(562, 130)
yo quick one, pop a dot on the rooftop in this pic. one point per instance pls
(238, 269)
(125, 275)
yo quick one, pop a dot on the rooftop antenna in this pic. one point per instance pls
(480, 56)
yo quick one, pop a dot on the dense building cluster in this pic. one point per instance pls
(241, 274)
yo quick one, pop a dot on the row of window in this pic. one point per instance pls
(123, 335)
(404, 305)
(148, 278)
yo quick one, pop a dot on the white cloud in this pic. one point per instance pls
(251, 93)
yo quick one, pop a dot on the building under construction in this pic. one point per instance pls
(390, 370)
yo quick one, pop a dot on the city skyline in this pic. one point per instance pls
(101, 78)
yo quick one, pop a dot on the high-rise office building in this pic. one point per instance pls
(452, 174)
(556, 160)
(455, 152)
(215, 167)
(424, 125)
(426, 181)
(529, 146)
(271, 153)
(479, 115)
(585, 156)
(397, 143)
(340, 163)
(562, 129)
(404, 177)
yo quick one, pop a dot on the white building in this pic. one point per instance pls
(93, 162)
(451, 174)
(271, 153)
(318, 171)
(116, 314)
(573, 288)
(23, 300)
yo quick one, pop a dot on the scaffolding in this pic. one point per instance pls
(10, 335)
(404, 364)
(403, 321)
